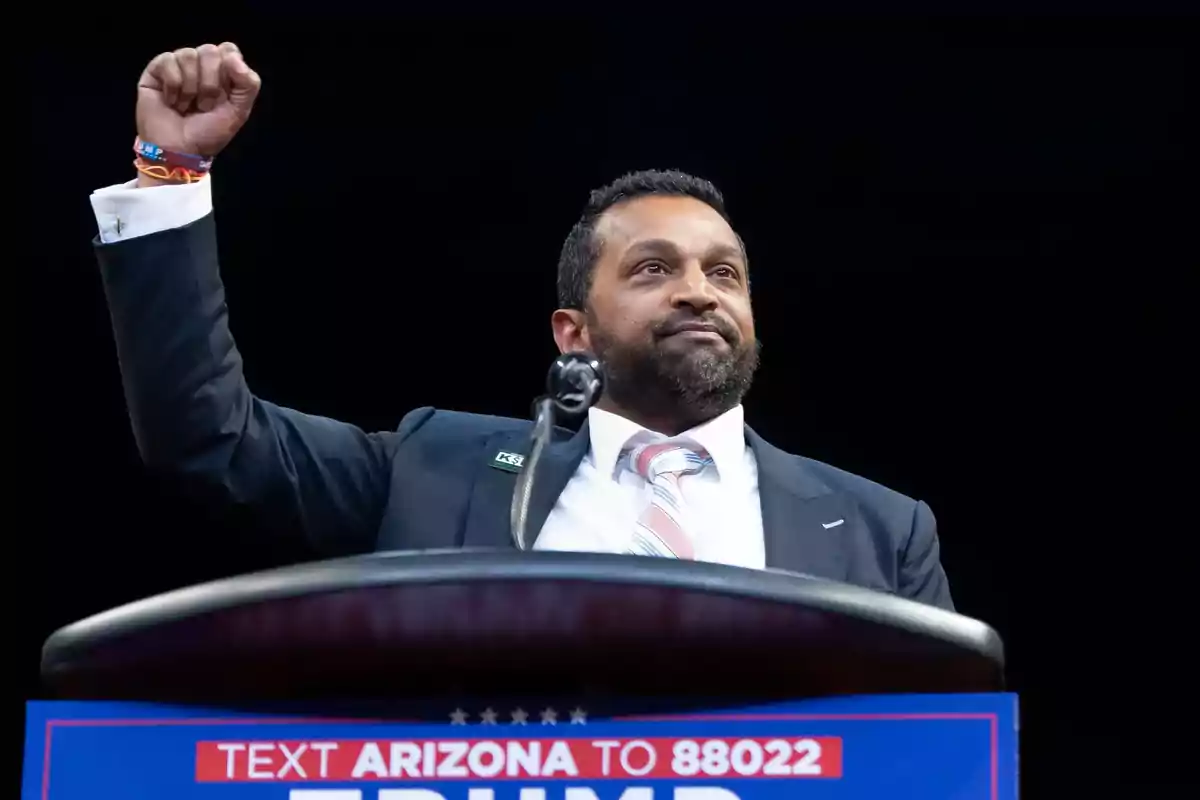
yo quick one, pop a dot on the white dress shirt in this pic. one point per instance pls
(600, 506)
(598, 509)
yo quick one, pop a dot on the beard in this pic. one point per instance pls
(681, 382)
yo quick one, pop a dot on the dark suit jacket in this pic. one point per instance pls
(429, 483)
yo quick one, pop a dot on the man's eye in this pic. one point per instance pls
(654, 266)
(726, 272)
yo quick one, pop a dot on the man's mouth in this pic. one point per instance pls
(701, 331)
(697, 326)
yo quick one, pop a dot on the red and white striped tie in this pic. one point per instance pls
(662, 529)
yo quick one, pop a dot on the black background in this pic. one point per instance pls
(970, 254)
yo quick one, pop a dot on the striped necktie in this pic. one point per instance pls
(662, 529)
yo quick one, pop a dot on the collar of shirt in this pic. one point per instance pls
(724, 438)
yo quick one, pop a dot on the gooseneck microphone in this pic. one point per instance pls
(573, 385)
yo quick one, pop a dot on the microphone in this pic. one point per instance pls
(573, 385)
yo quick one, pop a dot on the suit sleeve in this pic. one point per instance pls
(192, 412)
(922, 577)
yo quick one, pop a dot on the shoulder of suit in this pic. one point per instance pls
(858, 482)
(835, 479)
(443, 422)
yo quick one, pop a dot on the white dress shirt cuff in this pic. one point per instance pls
(126, 212)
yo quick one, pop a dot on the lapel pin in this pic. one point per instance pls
(509, 462)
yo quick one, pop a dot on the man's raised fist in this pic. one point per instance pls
(196, 99)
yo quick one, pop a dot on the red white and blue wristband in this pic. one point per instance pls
(168, 165)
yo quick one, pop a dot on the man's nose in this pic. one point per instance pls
(694, 289)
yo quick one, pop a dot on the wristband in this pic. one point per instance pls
(154, 154)
(163, 172)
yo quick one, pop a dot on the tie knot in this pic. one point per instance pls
(669, 457)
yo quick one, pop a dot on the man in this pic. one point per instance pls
(652, 279)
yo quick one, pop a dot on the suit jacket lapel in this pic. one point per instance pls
(805, 525)
(559, 461)
(487, 523)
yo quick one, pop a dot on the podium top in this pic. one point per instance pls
(394, 624)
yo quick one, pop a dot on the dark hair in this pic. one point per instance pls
(577, 262)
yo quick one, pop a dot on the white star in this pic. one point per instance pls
(578, 716)
(458, 717)
(519, 716)
(549, 717)
(488, 717)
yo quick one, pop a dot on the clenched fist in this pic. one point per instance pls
(195, 99)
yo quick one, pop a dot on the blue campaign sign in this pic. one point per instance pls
(928, 746)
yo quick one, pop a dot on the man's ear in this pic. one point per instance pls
(570, 330)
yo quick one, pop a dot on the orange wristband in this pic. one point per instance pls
(170, 174)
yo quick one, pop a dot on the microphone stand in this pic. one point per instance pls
(574, 384)
(543, 424)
